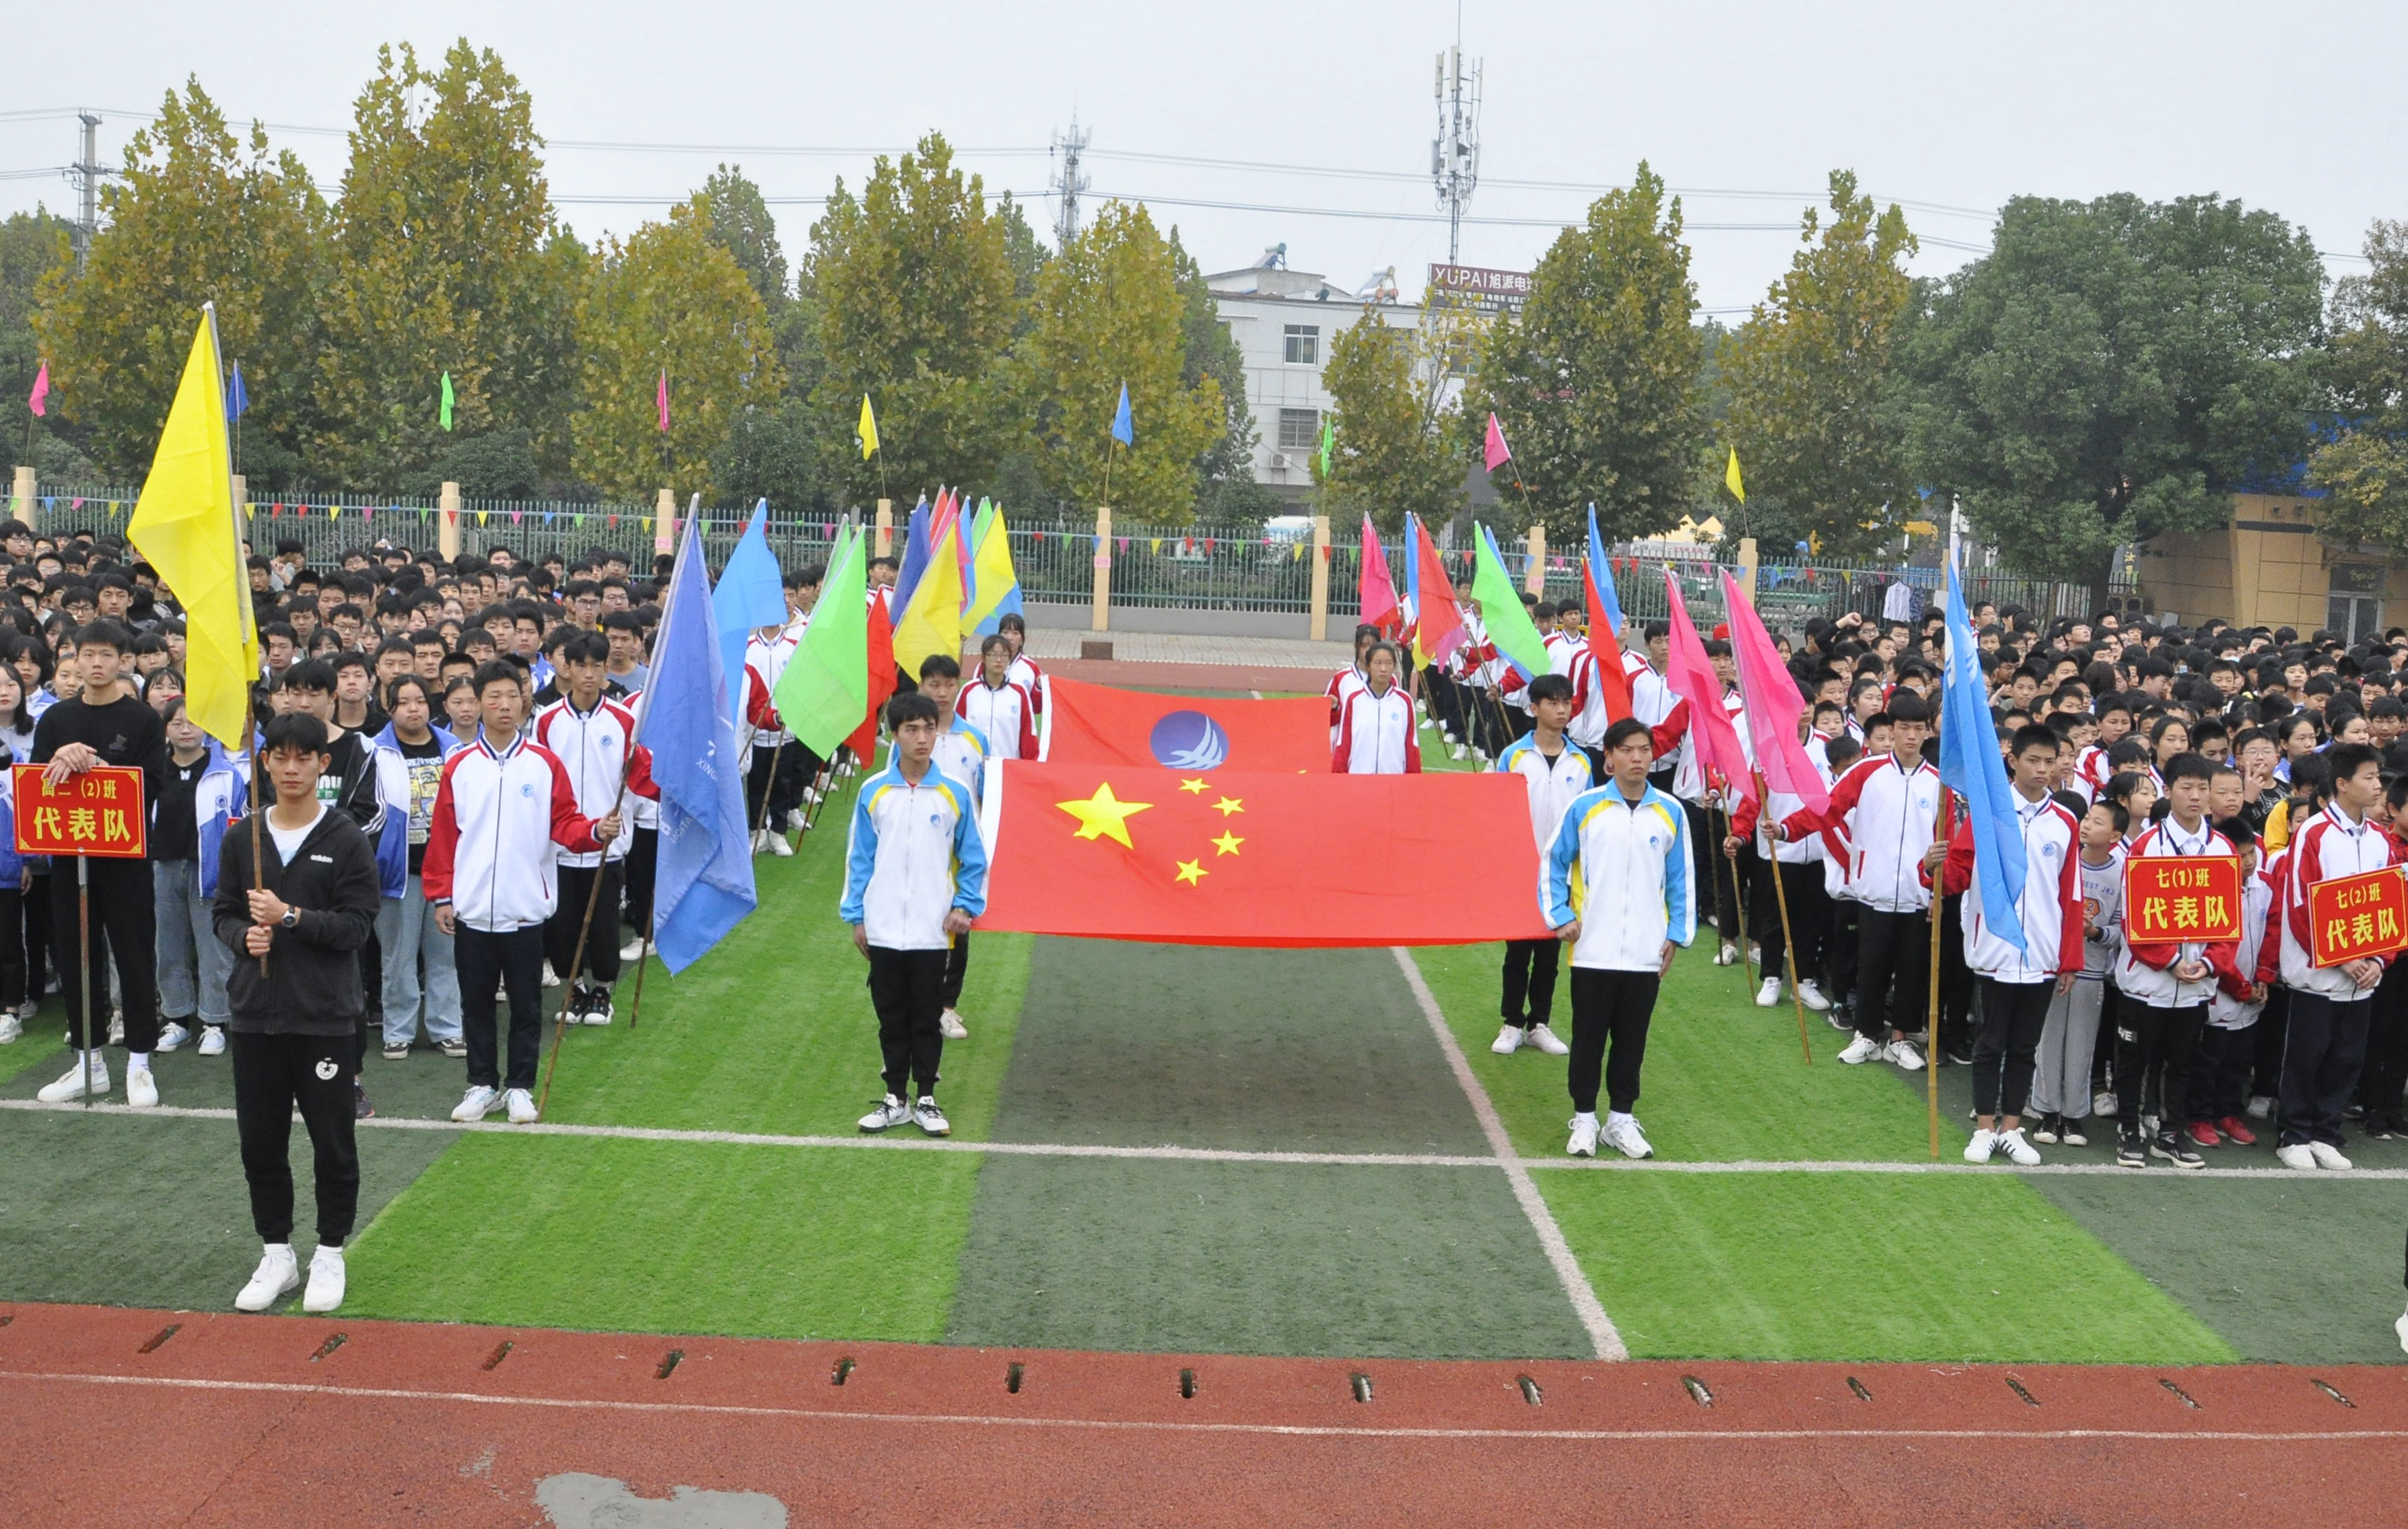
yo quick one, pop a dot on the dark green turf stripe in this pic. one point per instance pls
(126, 1211)
(1254, 1257)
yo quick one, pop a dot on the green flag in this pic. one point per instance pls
(824, 691)
(1328, 440)
(445, 418)
(1502, 612)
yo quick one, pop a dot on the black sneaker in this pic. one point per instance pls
(2174, 1150)
(2129, 1153)
(361, 1108)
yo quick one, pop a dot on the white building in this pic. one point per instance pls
(1284, 322)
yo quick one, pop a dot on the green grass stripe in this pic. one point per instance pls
(1833, 1266)
(1724, 1079)
(651, 1236)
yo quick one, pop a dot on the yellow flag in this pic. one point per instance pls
(1730, 478)
(998, 580)
(184, 526)
(932, 623)
(867, 429)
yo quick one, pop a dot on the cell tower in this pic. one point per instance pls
(1069, 182)
(1454, 153)
(86, 173)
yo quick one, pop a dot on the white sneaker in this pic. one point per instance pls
(2401, 1327)
(117, 1031)
(212, 1041)
(11, 1029)
(1626, 1137)
(930, 1118)
(29, 1008)
(325, 1292)
(633, 950)
(1863, 1048)
(550, 978)
(781, 846)
(2261, 1106)
(476, 1103)
(521, 1105)
(2102, 1103)
(1545, 1040)
(1980, 1147)
(171, 1035)
(278, 1275)
(2296, 1156)
(760, 840)
(1508, 1041)
(69, 1087)
(794, 819)
(2328, 1154)
(949, 1025)
(1811, 996)
(893, 1112)
(141, 1088)
(1904, 1055)
(1727, 955)
(1767, 993)
(2023, 1153)
(1454, 751)
(1583, 1141)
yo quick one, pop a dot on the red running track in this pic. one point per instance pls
(110, 1416)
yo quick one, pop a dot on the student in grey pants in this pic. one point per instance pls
(2069, 1037)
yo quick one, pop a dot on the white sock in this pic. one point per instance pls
(1587, 1116)
(283, 1247)
(329, 1249)
(1620, 1117)
(137, 1061)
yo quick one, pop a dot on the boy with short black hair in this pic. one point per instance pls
(1556, 772)
(961, 753)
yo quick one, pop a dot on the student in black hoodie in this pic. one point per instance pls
(347, 784)
(297, 1005)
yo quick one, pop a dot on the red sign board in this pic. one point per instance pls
(98, 812)
(2181, 899)
(2350, 918)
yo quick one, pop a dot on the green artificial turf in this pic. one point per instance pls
(672, 1237)
(125, 1210)
(1861, 1266)
(1724, 1080)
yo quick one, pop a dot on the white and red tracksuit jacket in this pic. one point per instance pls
(2050, 909)
(1376, 735)
(501, 819)
(2145, 973)
(1889, 814)
(1006, 714)
(1024, 673)
(593, 746)
(2331, 845)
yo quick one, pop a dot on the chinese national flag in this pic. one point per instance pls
(1098, 724)
(1217, 858)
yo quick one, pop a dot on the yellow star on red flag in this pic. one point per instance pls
(1191, 872)
(1194, 786)
(1104, 816)
(1228, 843)
(1227, 805)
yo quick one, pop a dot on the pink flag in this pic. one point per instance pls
(1497, 452)
(1375, 591)
(664, 398)
(1692, 677)
(40, 400)
(1774, 703)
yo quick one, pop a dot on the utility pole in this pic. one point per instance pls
(87, 177)
(1454, 153)
(1069, 182)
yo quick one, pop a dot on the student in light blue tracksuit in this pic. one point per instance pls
(410, 755)
(1618, 892)
(201, 796)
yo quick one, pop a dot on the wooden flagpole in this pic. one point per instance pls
(1788, 940)
(1931, 1022)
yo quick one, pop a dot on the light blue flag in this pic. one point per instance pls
(751, 594)
(1123, 427)
(703, 886)
(1969, 766)
(1602, 565)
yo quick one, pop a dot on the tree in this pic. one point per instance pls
(2364, 468)
(192, 217)
(914, 283)
(32, 246)
(1595, 378)
(668, 300)
(740, 223)
(1807, 374)
(1392, 452)
(2109, 371)
(446, 259)
(1107, 313)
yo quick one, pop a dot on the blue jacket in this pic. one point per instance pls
(222, 795)
(393, 791)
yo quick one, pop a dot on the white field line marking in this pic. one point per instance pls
(1585, 1305)
(1213, 1154)
(1668, 1435)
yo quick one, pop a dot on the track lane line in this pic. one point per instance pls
(1585, 1305)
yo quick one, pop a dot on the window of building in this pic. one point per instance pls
(1299, 429)
(1304, 344)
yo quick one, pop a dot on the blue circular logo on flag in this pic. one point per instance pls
(1189, 740)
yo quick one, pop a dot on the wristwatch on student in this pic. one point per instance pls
(291, 916)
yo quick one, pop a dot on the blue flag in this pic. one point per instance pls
(751, 594)
(1969, 766)
(238, 396)
(703, 886)
(915, 558)
(1123, 427)
(1603, 566)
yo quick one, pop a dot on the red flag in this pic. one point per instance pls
(864, 742)
(1375, 592)
(1605, 652)
(1721, 762)
(1494, 451)
(1259, 860)
(661, 397)
(1774, 706)
(1437, 624)
(1097, 725)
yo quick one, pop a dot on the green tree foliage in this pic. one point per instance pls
(670, 298)
(740, 225)
(447, 259)
(193, 217)
(1595, 378)
(32, 245)
(914, 285)
(1108, 311)
(2110, 371)
(1807, 374)
(2364, 468)
(1393, 454)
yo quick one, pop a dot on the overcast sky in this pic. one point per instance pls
(1745, 106)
